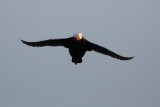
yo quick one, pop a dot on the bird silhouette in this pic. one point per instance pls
(77, 46)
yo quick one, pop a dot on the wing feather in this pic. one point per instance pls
(105, 51)
(50, 42)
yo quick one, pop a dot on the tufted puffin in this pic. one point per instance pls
(77, 46)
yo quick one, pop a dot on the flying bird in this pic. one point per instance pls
(77, 46)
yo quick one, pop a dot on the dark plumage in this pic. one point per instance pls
(77, 46)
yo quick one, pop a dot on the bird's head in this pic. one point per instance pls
(78, 36)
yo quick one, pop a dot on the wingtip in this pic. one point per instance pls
(129, 58)
(22, 41)
(132, 57)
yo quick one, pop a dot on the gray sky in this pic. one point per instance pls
(46, 77)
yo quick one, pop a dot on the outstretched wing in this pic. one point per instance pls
(50, 42)
(105, 51)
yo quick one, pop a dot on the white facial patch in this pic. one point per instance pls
(80, 36)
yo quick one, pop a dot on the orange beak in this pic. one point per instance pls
(77, 37)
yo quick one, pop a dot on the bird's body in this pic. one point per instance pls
(77, 50)
(77, 46)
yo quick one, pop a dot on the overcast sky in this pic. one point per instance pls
(46, 77)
